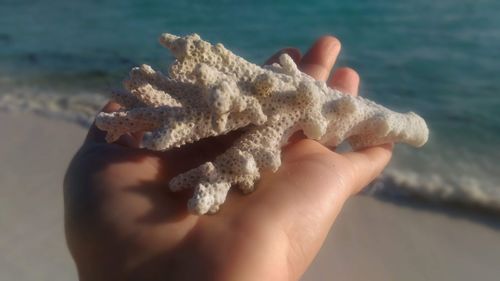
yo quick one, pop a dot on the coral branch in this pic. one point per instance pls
(210, 92)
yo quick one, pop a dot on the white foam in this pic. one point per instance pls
(80, 108)
(463, 189)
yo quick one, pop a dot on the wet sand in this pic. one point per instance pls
(373, 239)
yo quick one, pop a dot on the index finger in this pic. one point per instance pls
(319, 60)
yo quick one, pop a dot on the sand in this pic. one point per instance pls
(372, 240)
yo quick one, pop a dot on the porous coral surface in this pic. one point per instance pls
(209, 91)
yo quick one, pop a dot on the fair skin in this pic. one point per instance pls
(122, 223)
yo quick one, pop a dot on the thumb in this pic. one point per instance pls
(367, 164)
(314, 182)
(308, 191)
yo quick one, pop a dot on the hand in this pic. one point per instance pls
(122, 223)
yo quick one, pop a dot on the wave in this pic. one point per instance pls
(467, 190)
(79, 108)
(463, 190)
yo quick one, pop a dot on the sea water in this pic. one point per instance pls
(440, 59)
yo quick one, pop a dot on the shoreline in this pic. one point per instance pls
(375, 238)
(395, 182)
(457, 208)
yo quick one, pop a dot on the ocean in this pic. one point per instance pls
(60, 58)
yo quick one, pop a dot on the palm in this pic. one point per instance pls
(120, 214)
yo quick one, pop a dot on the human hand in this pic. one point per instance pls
(122, 223)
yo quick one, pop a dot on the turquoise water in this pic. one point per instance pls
(438, 58)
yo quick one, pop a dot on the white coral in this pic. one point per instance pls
(210, 91)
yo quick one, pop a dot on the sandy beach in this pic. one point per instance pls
(372, 240)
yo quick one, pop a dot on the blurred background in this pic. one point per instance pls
(439, 58)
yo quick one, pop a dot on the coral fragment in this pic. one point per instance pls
(209, 91)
